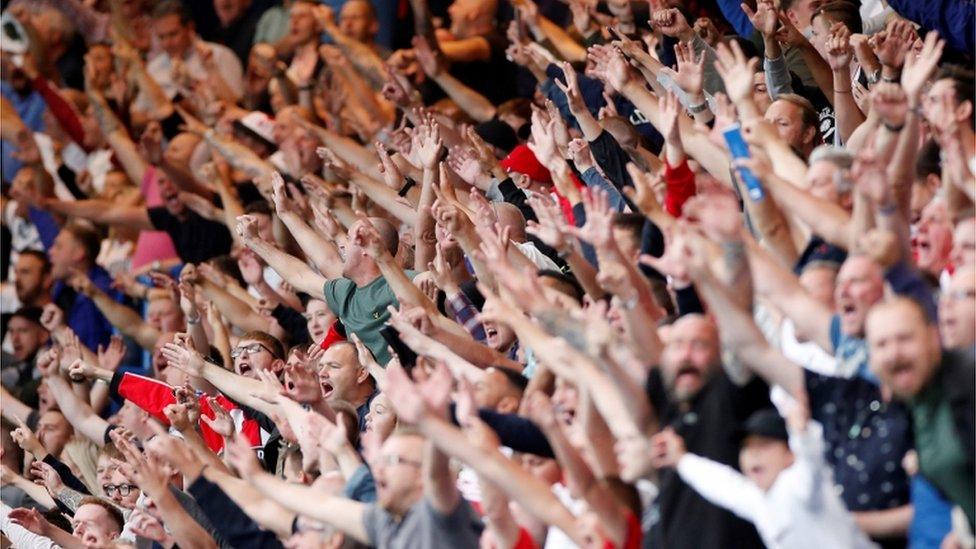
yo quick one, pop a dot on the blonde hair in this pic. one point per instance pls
(84, 454)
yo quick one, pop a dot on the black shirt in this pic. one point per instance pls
(196, 239)
(684, 519)
(866, 439)
(494, 77)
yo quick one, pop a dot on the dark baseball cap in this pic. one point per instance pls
(766, 423)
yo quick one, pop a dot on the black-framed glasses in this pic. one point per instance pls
(249, 349)
(122, 489)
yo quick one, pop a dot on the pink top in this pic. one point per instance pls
(152, 245)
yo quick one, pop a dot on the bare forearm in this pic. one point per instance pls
(321, 251)
(186, 531)
(848, 114)
(385, 197)
(126, 320)
(890, 523)
(294, 271)
(237, 312)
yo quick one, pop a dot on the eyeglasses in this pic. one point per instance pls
(393, 459)
(123, 489)
(249, 349)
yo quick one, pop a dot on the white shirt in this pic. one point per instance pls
(539, 259)
(161, 68)
(800, 511)
(21, 537)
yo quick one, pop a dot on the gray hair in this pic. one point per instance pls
(838, 156)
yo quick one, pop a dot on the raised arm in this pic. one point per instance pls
(323, 252)
(774, 282)
(102, 211)
(342, 514)
(293, 270)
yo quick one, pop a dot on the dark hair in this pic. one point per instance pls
(112, 511)
(929, 160)
(258, 207)
(33, 314)
(515, 379)
(228, 265)
(564, 279)
(631, 222)
(964, 83)
(89, 239)
(268, 340)
(171, 7)
(40, 256)
(843, 12)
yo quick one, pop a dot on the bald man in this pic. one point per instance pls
(359, 282)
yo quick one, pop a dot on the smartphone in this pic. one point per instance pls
(739, 149)
(408, 358)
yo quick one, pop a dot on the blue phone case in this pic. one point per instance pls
(739, 149)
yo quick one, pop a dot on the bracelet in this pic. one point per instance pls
(841, 91)
(892, 79)
(406, 187)
(193, 321)
(888, 209)
(873, 77)
(631, 303)
(699, 108)
(894, 129)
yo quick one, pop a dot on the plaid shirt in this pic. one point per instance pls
(465, 314)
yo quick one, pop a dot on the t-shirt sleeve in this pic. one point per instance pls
(336, 292)
(161, 219)
(461, 518)
(372, 523)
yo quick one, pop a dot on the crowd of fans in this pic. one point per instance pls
(471, 273)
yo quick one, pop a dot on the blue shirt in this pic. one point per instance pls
(30, 109)
(80, 312)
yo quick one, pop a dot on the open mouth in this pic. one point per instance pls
(687, 372)
(490, 333)
(327, 389)
(244, 368)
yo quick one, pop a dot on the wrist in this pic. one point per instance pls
(890, 73)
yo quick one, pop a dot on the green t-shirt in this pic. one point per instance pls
(363, 310)
(941, 457)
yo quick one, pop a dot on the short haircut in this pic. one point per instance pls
(89, 239)
(515, 379)
(40, 256)
(843, 12)
(566, 280)
(171, 7)
(388, 233)
(370, 9)
(838, 156)
(228, 265)
(268, 340)
(112, 511)
(258, 207)
(964, 83)
(631, 222)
